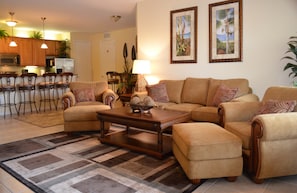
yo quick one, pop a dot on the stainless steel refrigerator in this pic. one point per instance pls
(64, 65)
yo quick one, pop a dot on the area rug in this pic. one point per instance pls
(61, 163)
(43, 119)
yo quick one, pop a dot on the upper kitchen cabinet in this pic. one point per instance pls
(5, 48)
(38, 53)
(30, 52)
(53, 47)
(26, 54)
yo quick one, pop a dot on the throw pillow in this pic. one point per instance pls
(158, 92)
(84, 94)
(224, 94)
(275, 106)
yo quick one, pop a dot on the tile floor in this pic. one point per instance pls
(13, 130)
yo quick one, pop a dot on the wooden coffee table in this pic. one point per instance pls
(144, 131)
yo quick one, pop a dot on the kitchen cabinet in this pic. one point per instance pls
(52, 48)
(38, 53)
(26, 51)
(5, 48)
(29, 50)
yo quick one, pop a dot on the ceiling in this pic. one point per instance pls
(70, 15)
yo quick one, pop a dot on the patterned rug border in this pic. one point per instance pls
(37, 189)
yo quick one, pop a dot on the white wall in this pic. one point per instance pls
(87, 59)
(267, 25)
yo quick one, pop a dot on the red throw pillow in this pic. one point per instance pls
(84, 94)
(275, 106)
(224, 94)
(158, 92)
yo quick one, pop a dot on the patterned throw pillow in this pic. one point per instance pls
(158, 92)
(84, 94)
(275, 106)
(224, 94)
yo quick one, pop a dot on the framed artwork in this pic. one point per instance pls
(183, 35)
(225, 31)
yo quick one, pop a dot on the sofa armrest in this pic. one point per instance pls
(246, 98)
(237, 111)
(273, 137)
(109, 97)
(68, 100)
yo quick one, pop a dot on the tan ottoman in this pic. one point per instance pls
(206, 150)
(83, 118)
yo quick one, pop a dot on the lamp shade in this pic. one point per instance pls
(141, 67)
(13, 44)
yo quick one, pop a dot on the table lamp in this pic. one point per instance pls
(141, 67)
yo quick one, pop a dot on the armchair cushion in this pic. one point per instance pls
(242, 130)
(276, 106)
(84, 94)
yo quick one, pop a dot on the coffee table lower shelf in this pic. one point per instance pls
(140, 141)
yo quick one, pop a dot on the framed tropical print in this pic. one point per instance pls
(183, 35)
(225, 31)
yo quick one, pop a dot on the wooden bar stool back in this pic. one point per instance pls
(47, 91)
(27, 89)
(8, 87)
(63, 84)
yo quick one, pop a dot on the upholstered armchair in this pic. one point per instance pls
(88, 93)
(269, 135)
(82, 102)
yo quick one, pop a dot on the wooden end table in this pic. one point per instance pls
(146, 134)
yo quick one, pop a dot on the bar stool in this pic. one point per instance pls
(63, 84)
(27, 88)
(8, 87)
(47, 90)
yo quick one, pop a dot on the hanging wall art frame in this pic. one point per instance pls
(225, 31)
(183, 35)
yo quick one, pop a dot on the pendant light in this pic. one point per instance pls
(43, 45)
(12, 23)
(12, 43)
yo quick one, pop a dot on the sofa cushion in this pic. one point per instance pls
(205, 114)
(241, 84)
(158, 92)
(195, 90)
(187, 107)
(224, 94)
(174, 89)
(84, 94)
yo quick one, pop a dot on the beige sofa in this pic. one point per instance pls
(269, 139)
(82, 102)
(196, 95)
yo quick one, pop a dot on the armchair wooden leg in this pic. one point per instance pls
(231, 178)
(257, 180)
(195, 181)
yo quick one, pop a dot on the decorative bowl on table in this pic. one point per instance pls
(141, 106)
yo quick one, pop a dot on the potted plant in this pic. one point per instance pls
(36, 35)
(128, 79)
(291, 57)
(3, 33)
